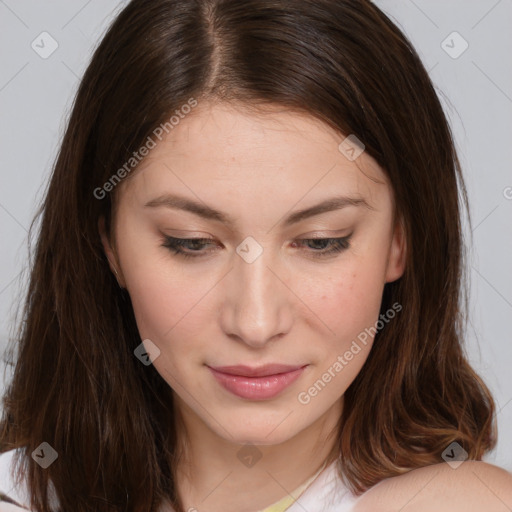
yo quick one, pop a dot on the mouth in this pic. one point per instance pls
(257, 383)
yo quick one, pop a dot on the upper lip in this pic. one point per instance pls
(258, 371)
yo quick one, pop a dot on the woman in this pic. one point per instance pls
(245, 294)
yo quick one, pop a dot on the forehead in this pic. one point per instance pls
(229, 149)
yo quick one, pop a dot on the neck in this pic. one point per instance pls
(216, 474)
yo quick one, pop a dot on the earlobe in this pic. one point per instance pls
(109, 251)
(397, 254)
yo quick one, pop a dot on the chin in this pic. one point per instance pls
(260, 438)
(263, 433)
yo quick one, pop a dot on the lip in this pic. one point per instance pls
(257, 371)
(257, 383)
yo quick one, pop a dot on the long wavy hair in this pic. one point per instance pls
(76, 383)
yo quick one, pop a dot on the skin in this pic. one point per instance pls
(473, 486)
(287, 306)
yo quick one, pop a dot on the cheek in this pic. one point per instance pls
(169, 307)
(170, 319)
(155, 310)
(166, 308)
(160, 296)
(349, 302)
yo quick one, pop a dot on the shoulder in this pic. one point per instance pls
(472, 486)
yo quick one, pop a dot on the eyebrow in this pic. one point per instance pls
(182, 203)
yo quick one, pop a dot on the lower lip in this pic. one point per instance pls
(257, 388)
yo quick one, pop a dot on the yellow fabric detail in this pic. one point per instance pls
(287, 501)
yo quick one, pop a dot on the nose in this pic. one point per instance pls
(258, 303)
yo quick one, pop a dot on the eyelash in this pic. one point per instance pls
(175, 245)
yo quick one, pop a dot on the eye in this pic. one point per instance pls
(328, 246)
(192, 247)
(176, 245)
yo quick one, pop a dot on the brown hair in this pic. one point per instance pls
(77, 384)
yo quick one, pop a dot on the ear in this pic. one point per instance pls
(397, 253)
(110, 252)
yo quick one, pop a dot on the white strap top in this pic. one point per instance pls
(8, 488)
(326, 493)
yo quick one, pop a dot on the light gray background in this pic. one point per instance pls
(475, 88)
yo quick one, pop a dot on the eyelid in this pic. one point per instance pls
(337, 246)
(184, 233)
(340, 233)
(320, 233)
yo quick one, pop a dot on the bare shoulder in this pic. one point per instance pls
(472, 487)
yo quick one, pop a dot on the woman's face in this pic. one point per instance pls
(258, 291)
